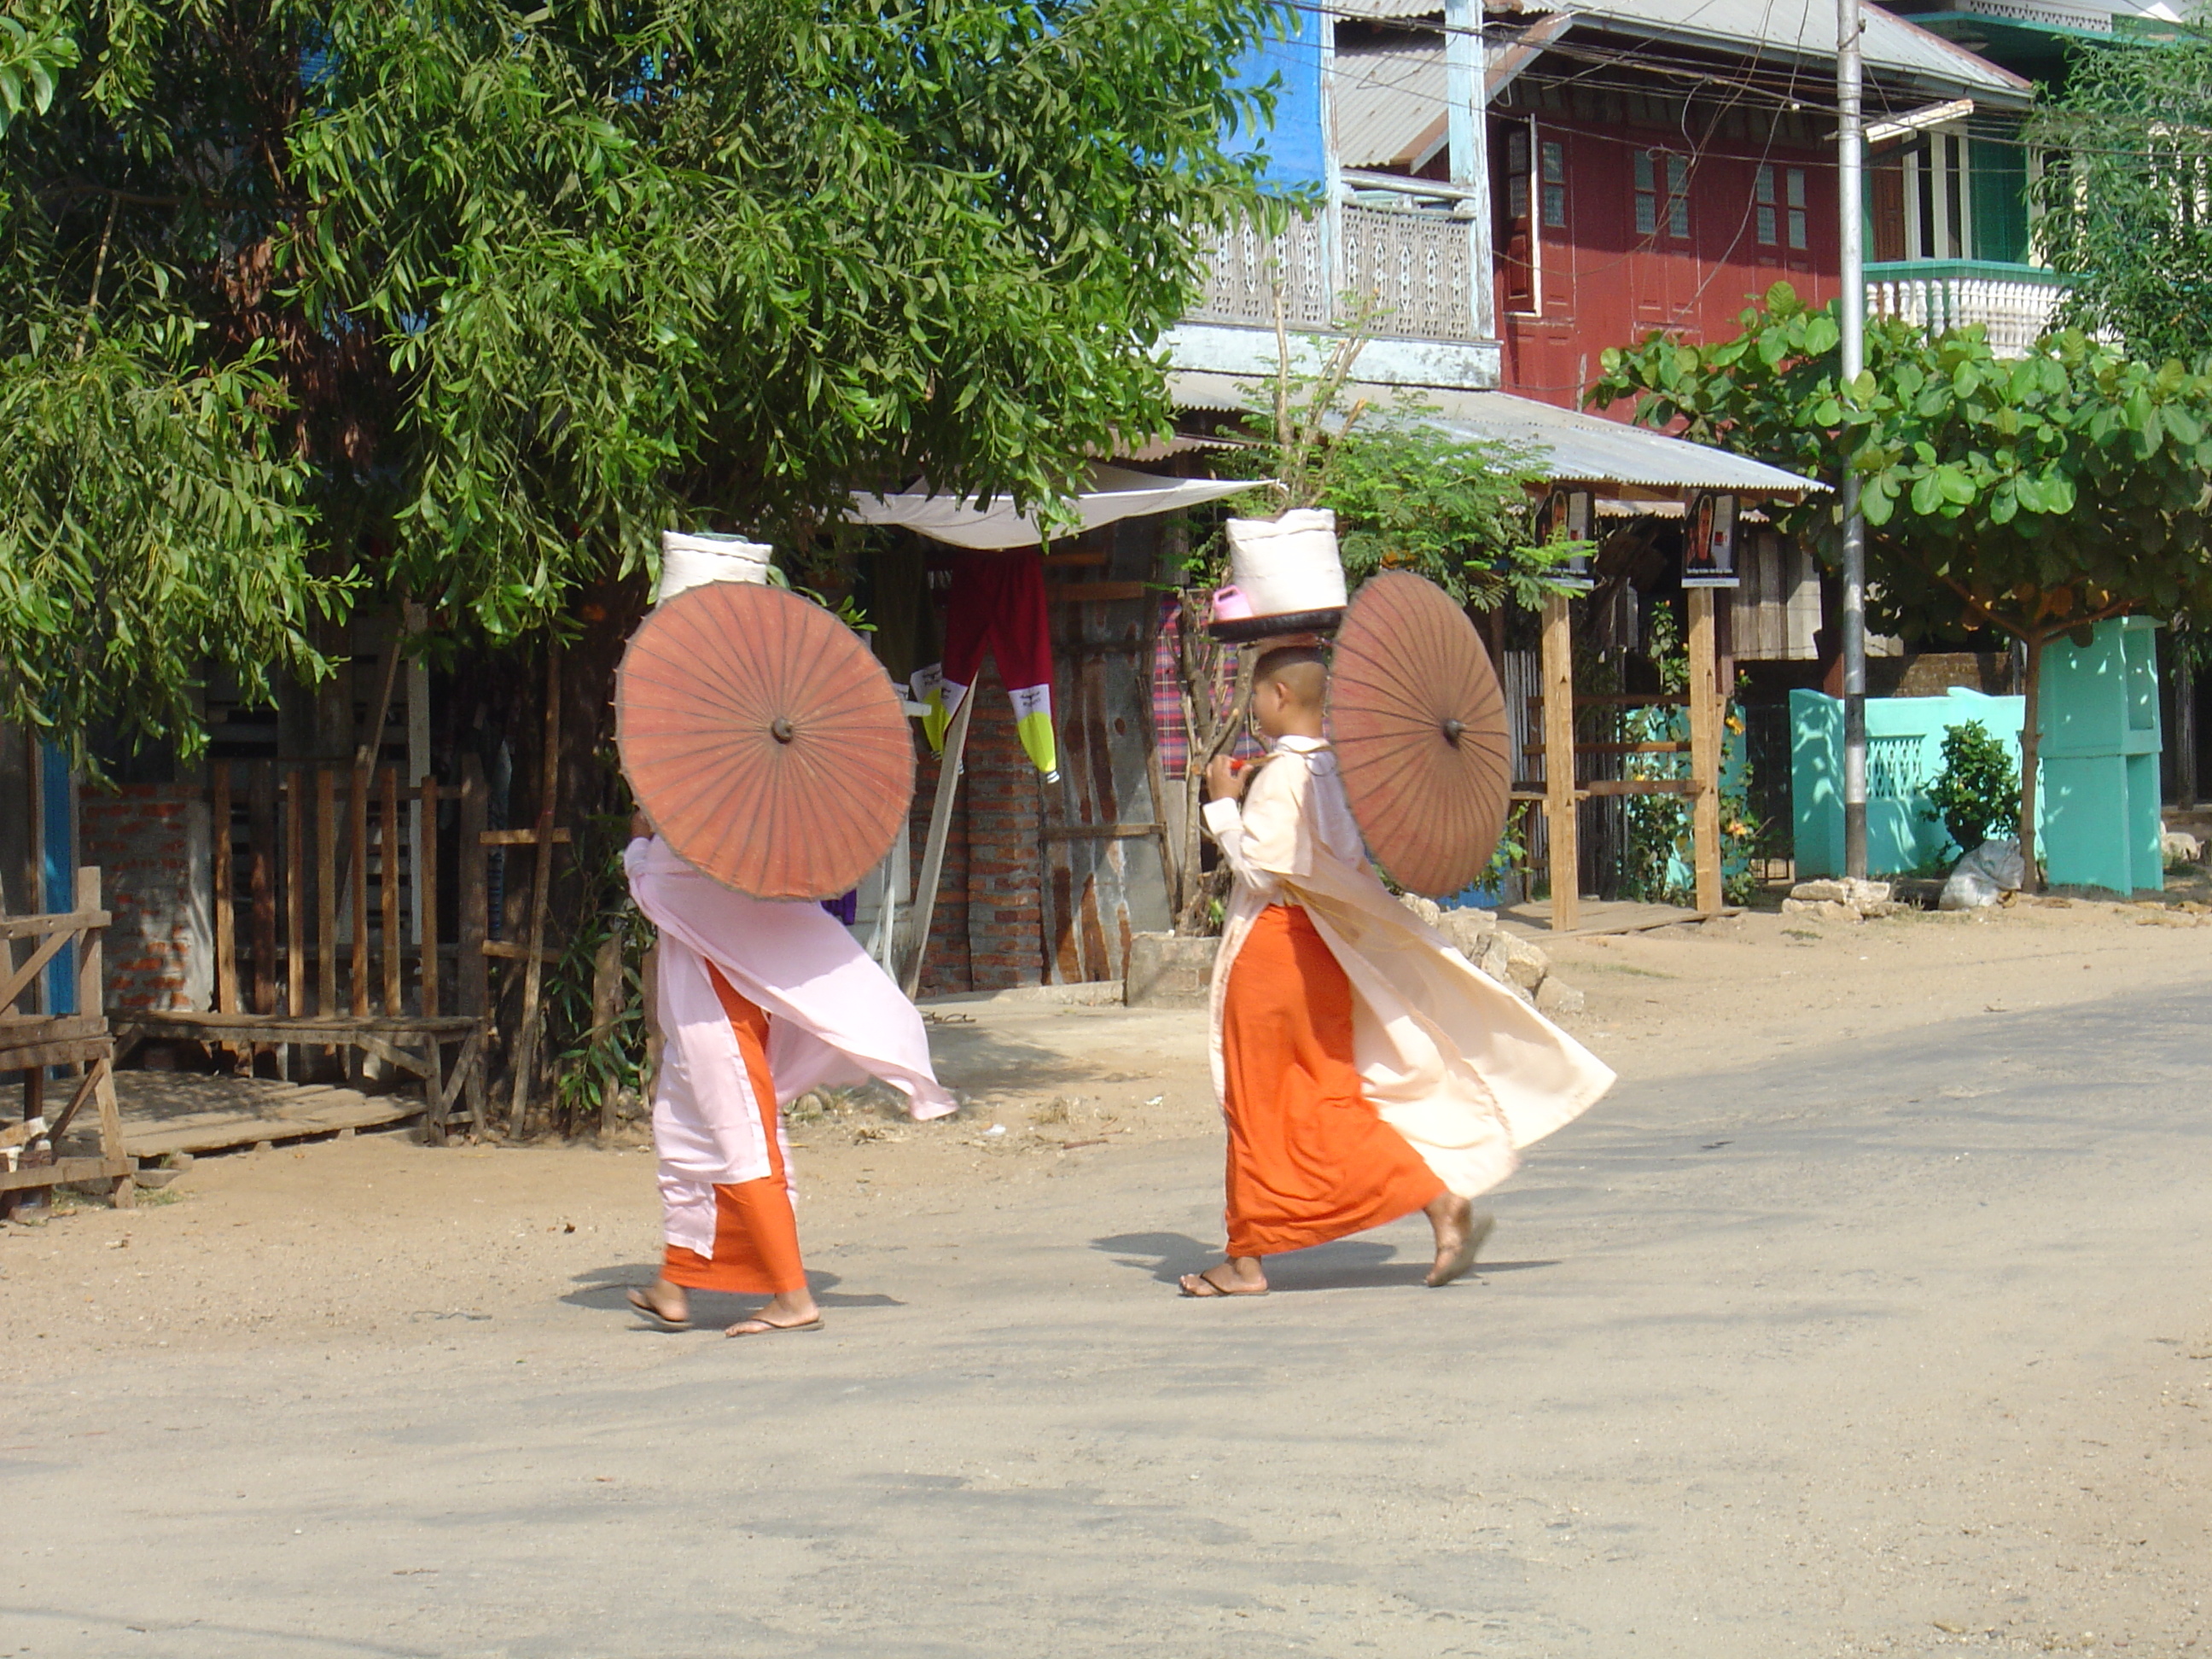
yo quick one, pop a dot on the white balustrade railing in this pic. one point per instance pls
(2014, 303)
(1414, 267)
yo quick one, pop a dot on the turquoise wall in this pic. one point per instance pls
(2097, 807)
(1905, 752)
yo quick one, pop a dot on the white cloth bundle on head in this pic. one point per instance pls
(1285, 565)
(692, 560)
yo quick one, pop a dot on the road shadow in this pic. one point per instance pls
(605, 1290)
(1343, 1264)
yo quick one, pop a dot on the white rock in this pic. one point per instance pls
(1428, 910)
(1813, 892)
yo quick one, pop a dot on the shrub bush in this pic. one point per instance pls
(1978, 792)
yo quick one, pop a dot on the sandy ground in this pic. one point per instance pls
(1873, 1313)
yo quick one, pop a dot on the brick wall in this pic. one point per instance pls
(988, 931)
(1005, 911)
(151, 841)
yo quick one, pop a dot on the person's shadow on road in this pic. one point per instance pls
(1347, 1264)
(605, 1288)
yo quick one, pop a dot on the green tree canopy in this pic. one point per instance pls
(2035, 495)
(2122, 196)
(487, 294)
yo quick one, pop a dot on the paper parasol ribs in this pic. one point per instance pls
(1418, 723)
(764, 741)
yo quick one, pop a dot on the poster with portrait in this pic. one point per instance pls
(1709, 542)
(1568, 515)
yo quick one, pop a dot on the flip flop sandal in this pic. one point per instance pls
(1213, 1288)
(643, 1303)
(769, 1328)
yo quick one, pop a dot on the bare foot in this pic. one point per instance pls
(663, 1302)
(1459, 1230)
(789, 1311)
(1239, 1275)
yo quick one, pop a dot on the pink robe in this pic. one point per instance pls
(834, 1018)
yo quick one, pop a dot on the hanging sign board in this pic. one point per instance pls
(1708, 542)
(1567, 515)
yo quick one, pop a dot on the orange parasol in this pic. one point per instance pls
(764, 741)
(1418, 723)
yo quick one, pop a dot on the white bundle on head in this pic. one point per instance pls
(693, 560)
(1287, 565)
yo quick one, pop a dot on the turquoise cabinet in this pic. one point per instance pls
(2100, 749)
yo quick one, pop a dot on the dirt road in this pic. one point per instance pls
(1873, 1313)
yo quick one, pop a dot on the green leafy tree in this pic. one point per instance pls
(1977, 790)
(521, 286)
(2127, 149)
(2035, 495)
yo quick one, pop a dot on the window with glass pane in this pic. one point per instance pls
(1552, 170)
(1677, 196)
(1800, 233)
(1647, 195)
(1762, 195)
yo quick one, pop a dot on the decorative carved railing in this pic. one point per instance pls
(2014, 302)
(1245, 267)
(1416, 265)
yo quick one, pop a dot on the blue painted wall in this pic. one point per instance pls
(57, 859)
(1296, 150)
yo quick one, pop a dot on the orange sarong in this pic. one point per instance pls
(756, 1235)
(1308, 1158)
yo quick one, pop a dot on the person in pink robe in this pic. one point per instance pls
(758, 1001)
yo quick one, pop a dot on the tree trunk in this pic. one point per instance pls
(2031, 747)
(2184, 731)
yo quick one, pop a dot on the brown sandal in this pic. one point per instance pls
(644, 1304)
(1213, 1287)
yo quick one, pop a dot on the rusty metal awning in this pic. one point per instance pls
(1570, 446)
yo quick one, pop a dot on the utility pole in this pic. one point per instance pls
(1850, 195)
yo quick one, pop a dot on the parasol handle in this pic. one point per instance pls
(779, 729)
(1452, 731)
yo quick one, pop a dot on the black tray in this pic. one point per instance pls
(1244, 629)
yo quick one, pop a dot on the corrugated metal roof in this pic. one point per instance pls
(1807, 29)
(1576, 448)
(1390, 102)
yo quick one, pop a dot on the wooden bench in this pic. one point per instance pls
(32, 1043)
(411, 1042)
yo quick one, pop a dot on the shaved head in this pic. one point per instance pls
(1301, 671)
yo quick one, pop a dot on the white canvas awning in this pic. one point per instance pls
(1116, 493)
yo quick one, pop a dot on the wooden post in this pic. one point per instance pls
(296, 899)
(357, 873)
(541, 879)
(387, 891)
(1705, 751)
(326, 896)
(607, 1010)
(261, 888)
(473, 973)
(426, 891)
(1560, 808)
(940, 831)
(91, 978)
(225, 929)
(92, 999)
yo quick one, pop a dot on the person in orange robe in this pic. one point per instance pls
(1366, 1070)
(758, 1000)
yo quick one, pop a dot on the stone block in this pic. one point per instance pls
(1560, 1000)
(1468, 930)
(1170, 971)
